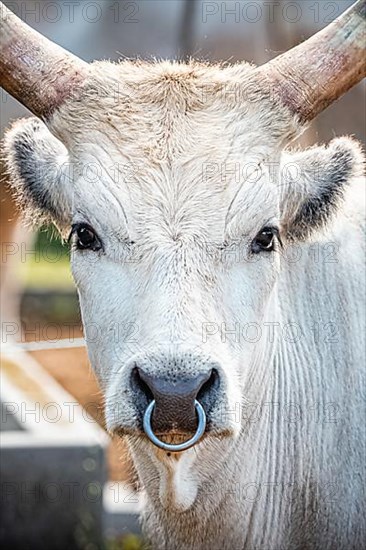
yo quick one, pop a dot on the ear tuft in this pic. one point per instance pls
(38, 166)
(314, 185)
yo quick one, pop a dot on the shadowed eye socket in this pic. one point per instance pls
(265, 240)
(84, 237)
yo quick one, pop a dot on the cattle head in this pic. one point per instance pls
(176, 188)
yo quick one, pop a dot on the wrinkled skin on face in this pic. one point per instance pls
(177, 169)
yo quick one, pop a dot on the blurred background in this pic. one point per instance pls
(38, 301)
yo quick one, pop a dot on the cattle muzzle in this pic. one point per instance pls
(176, 407)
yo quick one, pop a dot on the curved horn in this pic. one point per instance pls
(309, 77)
(34, 70)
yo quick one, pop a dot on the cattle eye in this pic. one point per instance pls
(265, 240)
(85, 237)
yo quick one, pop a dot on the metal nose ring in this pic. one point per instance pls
(180, 446)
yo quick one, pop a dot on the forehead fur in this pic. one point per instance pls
(152, 101)
(171, 138)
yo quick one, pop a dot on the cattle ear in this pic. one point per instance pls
(314, 183)
(40, 173)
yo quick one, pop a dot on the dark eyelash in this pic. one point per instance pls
(260, 245)
(75, 227)
(76, 241)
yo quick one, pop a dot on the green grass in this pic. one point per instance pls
(47, 265)
(47, 275)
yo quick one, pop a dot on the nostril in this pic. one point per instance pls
(141, 385)
(209, 384)
(208, 391)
